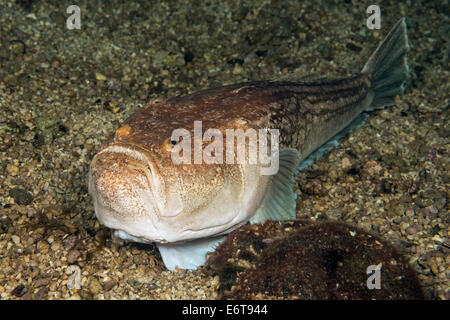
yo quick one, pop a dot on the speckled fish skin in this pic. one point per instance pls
(306, 114)
(138, 189)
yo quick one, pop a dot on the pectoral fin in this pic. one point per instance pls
(279, 203)
(187, 255)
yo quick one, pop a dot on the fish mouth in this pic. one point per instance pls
(125, 188)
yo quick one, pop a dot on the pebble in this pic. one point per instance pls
(72, 256)
(41, 294)
(100, 76)
(12, 169)
(237, 69)
(42, 282)
(108, 285)
(345, 163)
(95, 286)
(15, 239)
(55, 246)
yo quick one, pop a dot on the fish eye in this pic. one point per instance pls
(169, 144)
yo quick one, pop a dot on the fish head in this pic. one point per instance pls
(139, 190)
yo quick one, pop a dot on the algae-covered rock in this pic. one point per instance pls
(47, 128)
(244, 246)
(301, 260)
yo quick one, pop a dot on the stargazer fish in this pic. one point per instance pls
(187, 209)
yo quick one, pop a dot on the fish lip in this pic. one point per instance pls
(137, 153)
(151, 171)
(131, 150)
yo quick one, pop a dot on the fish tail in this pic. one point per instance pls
(388, 67)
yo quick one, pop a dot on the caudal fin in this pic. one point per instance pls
(389, 67)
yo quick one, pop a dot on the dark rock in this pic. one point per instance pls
(41, 294)
(353, 47)
(392, 161)
(108, 285)
(41, 282)
(73, 256)
(26, 4)
(27, 296)
(19, 291)
(20, 196)
(188, 56)
(387, 186)
(5, 224)
(62, 128)
(327, 260)
(38, 140)
(353, 171)
(235, 61)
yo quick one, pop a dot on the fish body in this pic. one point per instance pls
(187, 208)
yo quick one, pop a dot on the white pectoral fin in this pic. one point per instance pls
(187, 255)
(279, 203)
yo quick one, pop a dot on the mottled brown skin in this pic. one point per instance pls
(296, 108)
(307, 115)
